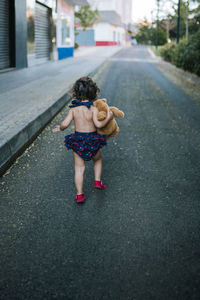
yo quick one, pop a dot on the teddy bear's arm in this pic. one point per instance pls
(116, 112)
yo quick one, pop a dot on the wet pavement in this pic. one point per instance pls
(140, 238)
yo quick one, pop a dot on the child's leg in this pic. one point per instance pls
(79, 169)
(97, 159)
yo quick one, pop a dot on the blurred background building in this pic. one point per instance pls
(41, 23)
(115, 20)
(50, 31)
(35, 31)
(65, 26)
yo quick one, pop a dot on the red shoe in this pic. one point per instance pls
(80, 198)
(99, 185)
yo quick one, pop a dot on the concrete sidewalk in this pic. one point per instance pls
(31, 97)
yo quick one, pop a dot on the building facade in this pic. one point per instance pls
(13, 34)
(65, 26)
(115, 17)
(41, 28)
(35, 31)
(50, 29)
(65, 29)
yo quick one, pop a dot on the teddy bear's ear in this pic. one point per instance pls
(102, 100)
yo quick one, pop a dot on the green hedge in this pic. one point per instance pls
(185, 55)
(167, 51)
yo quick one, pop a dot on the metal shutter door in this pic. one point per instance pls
(4, 34)
(42, 40)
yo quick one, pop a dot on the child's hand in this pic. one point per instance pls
(56, 129)
(110, 114)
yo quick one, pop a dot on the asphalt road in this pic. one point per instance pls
(139, 239)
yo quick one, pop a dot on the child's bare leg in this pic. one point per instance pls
(97, 159)
(79, 169)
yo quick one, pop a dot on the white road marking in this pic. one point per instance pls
(135, 60)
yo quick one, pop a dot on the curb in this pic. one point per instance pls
(14, 147)
(18, 143)
(159, 58)
(190, 76)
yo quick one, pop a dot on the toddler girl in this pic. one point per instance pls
(85, 142)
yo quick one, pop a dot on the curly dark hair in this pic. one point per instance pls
(85, 89)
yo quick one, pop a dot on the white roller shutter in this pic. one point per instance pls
(42, 27)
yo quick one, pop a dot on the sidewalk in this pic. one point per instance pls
(30, 98)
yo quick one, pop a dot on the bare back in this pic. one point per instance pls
(83, 119)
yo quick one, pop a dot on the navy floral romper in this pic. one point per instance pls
(85, 144)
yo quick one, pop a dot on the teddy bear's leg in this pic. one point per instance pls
(116, 112)
(115, 132)
(107, 138)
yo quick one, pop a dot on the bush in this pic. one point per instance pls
(147, 35)
(178, 53)
(191, 60)
(76, 45)
(162, 36)
(167, 51)
(185, 55)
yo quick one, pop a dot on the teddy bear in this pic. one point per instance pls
(111, 129)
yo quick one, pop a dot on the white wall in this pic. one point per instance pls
(102, 32)
(105, 32)
(119, 6)
(102, 4)
(127, 12)
(67, 10)
(122, 7)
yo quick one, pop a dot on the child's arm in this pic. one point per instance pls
(65, 123)
(100, 124)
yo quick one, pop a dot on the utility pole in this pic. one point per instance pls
(178, 22)
(157, 23)
(186, 22)
(152, 28)
(167, 29)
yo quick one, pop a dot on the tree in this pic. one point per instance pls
(188, 17)
(196, 11)
(167, 24)
(148, 35)
(178, 18)
(86, 17)
(144, 34)
(159, 37)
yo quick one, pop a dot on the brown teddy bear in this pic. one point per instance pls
(111, 129)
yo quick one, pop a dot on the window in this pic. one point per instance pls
(66, 20)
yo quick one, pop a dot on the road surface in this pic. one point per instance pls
(140, 238)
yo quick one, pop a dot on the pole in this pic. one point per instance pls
(152, 28)
(158, 4)
(167, 29)
(178, 22)
(186, 23)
